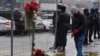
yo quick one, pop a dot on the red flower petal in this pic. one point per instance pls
(34, 5)
(27, 7)
(38, 53)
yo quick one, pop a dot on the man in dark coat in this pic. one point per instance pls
(96, 24)
(93, 25)
(78, 29)
(55, 21)
(87, 14)
(63, 23)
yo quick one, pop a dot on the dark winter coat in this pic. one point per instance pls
(87, 14)
(63, 21)
(79, 22)
(62, 28)
(55, 18)
(94, 19)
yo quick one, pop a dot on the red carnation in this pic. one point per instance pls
(34, 3)
(38, 52)
(27, 7)
(34, 6)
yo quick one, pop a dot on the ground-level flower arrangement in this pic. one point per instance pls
(39, 52)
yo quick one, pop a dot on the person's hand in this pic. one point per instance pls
(75, 32)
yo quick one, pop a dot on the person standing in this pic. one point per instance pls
(63, 23)
(87, 14)
(55, 16)
(91, 24)
(78, 29)
(96, 24)
(55, 21)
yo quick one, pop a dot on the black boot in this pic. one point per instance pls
(52, 48)
(95, 37)
(63, 48)
(91, 41)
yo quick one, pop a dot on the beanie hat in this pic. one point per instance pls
(62, 7)
(74, 8)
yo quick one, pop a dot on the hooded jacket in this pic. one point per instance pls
(63, 18)
(79, 22)
(94, 18)
(87, 14)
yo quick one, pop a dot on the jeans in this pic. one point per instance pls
(79, 44)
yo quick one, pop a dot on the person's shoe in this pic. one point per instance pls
(52, 48)
(91, 41)
(95, 37)
(61, 49)
(98, 37)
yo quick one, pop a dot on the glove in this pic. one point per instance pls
(75, 31)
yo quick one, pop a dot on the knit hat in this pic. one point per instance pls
(62, 7)
(74, 8)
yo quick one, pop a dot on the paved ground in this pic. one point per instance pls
(22, 45)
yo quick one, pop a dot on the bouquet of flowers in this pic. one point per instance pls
(30, 9)
(39, 52)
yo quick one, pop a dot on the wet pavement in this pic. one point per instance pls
(22, 45)
(74, 54)
(90, 50)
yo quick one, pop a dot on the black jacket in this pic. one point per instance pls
(87, 14)
(63, 20)
(79, 22)
(94, 19)
(55, 17)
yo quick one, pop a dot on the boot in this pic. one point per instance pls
(95, 37)
(63, 48)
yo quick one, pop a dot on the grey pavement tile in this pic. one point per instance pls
(44, 41)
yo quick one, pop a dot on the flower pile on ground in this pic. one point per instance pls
(39, 52)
